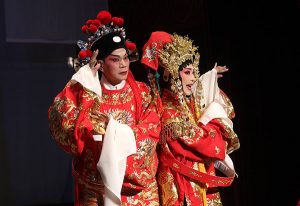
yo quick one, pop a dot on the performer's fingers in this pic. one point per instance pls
(94, 55)
(95, 68)
(221, 69)
(92, 116)
(92, 63)
(99, 116)
(93, 60)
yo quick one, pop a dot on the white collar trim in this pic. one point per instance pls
(109, 86)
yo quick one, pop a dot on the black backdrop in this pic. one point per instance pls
(258, 41)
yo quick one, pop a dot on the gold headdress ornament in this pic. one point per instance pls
(171, 52)
(173, 55)
(176, 53)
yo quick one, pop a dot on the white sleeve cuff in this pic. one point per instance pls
(119, 142)
(97, 137)
(86, 78)
(215, 110)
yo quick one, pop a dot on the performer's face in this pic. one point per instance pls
(187, 79)
(116, 66)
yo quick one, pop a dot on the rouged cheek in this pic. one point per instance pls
(184, 80)
(127, 63)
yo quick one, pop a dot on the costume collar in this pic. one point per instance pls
(109, 86)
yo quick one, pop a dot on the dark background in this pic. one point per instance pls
(258, 41)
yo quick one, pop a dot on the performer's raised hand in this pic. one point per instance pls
(220, 70)
(99, 121)
(94, 63)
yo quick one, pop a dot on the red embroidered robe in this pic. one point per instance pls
(195, 145)
(71, 128)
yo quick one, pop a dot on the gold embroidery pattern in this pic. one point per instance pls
(212, 133)
(98, 126)
(62, 122)
(233, 143)
(141, 177)
(199, 98)
(118, 98)
(217, 150)
(176, 166)
(178, 128)
(122, 116)
(148, 197)
(229, 108)
(146, 98)
(144, 164)
(214, 200)
(166, 184)
(89, 95)
(195, 174)
(195, 185)
(146, 149)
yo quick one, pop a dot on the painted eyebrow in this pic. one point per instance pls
(115, 55)
(188, 68)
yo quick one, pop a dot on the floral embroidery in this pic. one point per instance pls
(150, 53)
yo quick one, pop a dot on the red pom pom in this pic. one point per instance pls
(85, 29)
(121, 21)
(89, 22)
(130, 45)
(118, 21)
(82, 54)
(88, 53)
(93, 28)
(96, 22)
(104, 17)
(115, 20)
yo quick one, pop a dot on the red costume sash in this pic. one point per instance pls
(211, 180)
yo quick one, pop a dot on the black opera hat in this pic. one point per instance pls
(108, 43)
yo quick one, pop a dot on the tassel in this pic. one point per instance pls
(157, 75)
(203, 185)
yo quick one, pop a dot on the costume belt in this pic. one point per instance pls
(211, 180)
